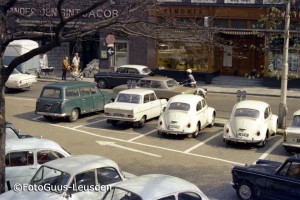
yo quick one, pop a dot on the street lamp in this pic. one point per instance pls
(285, 68)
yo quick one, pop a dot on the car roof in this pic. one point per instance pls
(134, 66)
(69, 84)
(30, 144)
(157, 78)
(153, 186)
(75, 164)
(252, 104)
(297, 112)
(137, 91)
(186, 98)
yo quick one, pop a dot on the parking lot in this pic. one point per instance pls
(205, 161)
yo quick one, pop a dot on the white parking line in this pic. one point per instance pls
(202, 143)
(15, 98)
(101, 120)
(270, 150)
(152, 146)
(143, 135)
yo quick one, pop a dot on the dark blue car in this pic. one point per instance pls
(268, 180)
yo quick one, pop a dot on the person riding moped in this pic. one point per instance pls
(190, 80)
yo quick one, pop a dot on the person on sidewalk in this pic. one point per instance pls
(65, 66)
(75, 62)
(190, 80)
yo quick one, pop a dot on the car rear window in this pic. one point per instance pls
(179, 106)
(128, 98)
(172, 83)
(246, 112)
(51, 93)
(296, 121)
(146, 71)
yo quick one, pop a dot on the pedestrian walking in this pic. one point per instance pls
(65, 66)
(75, 62)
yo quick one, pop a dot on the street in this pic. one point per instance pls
(205, 161)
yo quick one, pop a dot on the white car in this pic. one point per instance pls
(251, 121)
(75, 178)
(17, 80)
(291, 135)
(24, 157)
(155, 187)
(186, 114)
(134, 105)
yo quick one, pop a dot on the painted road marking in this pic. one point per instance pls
(113, 144)
(143, 135)
(101, 120)
(270, 150)
(147, 145)
(202, 143)
(15, 98)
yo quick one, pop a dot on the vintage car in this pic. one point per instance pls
(13, 133)
(251, 121)
(71, 99)
(121, 75)
(186, 114)
(164, 87)
(268, 180)
(155, 187)
(134, 105)
(19, 81)
(291, 136)
(76, 177)
(24, 157)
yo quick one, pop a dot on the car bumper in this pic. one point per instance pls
(175, 132)
(21, 86)
(126, 119)
(240, 140)
(52, 114)
(290, 146)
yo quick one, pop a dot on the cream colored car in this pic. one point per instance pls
(291, 140)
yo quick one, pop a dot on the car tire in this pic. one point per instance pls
(102, 83)
(195, 135)
(74, 115)
(245, 191)
(142, 122)
(49, 118)
(213, 120)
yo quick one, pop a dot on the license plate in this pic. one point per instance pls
(173, 126)
(243, 134)
(47, 108)
(119, 115)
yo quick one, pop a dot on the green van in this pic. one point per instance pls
(71, 99)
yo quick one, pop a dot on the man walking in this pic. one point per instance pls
(75, 62)
(65, 66)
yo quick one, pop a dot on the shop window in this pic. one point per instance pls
(240, 1)
(204, 1)
(273, 1)
(121, 53)
(222, 23)
(239, 23)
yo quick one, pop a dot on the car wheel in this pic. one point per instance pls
(49, 118)
(74, 115)
(141, 123)
(195, 135)
(213, 120)
(102, 83)
(245, 191)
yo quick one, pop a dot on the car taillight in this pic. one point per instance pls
(258, 133)
(227, 130)
(160, 123)
(188, 125)
(106, 113)
(130, 116)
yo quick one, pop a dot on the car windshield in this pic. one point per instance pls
(146, 71)
(128, 98)
(15, 72)
(246, 112)
(120, 194)
(296, 121)
(51, 93)
(172, 83)
(53, 179)
(179, 106)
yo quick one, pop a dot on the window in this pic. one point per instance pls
(144, 83)
(267, 114)
(171, 197)
(179, 106)
(51, 93)
(132, 71)
(107, 176)
(240, 1)
(94, 90)
(10, 134)
(152, 97)
(47, 155)
(84, 180)
(291, 170)
(156, 84)
(198, 107)
(273, 1)
(188, 196)
(85, 91)
(72, 93)
(119, 194)
(22, 158)
(146, 98)
(204, 1)
(121, 53)
(239, 23)
(121, 70)
(296, 121)
(203, 103)
(246, 112)
(128, 98)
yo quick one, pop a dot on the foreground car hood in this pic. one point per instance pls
(246, 124)
(27, 195)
